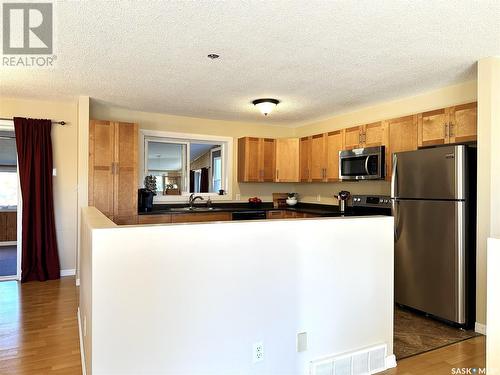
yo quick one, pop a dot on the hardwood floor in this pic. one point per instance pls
(470, 353)
(38, 328)
(39, 335)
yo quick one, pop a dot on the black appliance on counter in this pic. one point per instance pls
(145, 200)
(372, 205)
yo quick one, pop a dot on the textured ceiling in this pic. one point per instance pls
(318, 57)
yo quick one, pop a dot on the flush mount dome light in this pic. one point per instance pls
(265, 106)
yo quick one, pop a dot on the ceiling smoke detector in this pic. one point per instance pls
(266, 106)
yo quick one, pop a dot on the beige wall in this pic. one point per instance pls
(235, 129)
(65, 144)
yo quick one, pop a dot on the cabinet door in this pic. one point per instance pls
(201, 217)
(352, 137)
(433, 128)
(305, 159)
(403, 134)
(155, 219)
(334, 144)
(318, 157)
(101, 159)
(268, 159)
(463, 123)
(278, 214)
(374, 134)
(126, 166)
(249, 159)
(287, 160)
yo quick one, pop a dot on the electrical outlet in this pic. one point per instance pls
(258, 352)
(238, 197)
(318, 197)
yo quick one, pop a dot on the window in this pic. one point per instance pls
(183, 165)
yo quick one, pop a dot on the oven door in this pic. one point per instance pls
(362, 164)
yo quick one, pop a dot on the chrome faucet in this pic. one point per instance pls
(192, 198)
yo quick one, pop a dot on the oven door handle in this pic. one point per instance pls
(366, 164)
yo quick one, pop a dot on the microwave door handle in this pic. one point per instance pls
(366, 164)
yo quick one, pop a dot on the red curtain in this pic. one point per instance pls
(40, 260)
(204, 180)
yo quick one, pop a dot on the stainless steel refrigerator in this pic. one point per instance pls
(433, 194)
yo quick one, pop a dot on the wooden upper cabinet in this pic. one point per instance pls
(113, 169)
(268, 161)
(334, 144)
(448, 125)
(374, 134)
(318, 157)
(353, 137)
(256, 159)
(287, 160)
(305, 159)
(403, 134)
(463, 123)
(433, 128)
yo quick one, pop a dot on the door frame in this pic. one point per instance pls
(9, 125)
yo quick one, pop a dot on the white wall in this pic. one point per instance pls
(488, 173)
(493, 310)
(193, 298)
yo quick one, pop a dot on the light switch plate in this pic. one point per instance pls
(301, 341)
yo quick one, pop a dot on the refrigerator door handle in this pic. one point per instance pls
(395, 213)
(394, 175)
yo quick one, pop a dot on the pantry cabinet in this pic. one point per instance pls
(256, 159)
(113, 168)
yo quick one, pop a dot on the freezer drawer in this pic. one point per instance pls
(429, 255)
(435, 173)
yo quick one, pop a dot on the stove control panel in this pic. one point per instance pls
(381, 201)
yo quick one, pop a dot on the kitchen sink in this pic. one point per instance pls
(194, 209)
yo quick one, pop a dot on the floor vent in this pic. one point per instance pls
(362, 362)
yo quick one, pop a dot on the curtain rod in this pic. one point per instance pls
(54, 122)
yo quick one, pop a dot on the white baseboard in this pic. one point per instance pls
(480, 328)
(8, 243)
(82, 350)
(70, 272)
(390, 361)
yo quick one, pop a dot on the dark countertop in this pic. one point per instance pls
(309, 208)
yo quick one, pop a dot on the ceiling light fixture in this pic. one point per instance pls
(266, 106)
(213, 56)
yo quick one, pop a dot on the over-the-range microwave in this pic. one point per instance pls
(362, 163)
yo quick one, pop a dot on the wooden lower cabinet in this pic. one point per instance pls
(154, 219)
(275, 214)
(8, 226)
(201, 217)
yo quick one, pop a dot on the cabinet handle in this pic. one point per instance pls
(446, 135)
(277, 174)
(113, 168)
(452, 128)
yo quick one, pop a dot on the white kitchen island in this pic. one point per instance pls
(196, 298)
